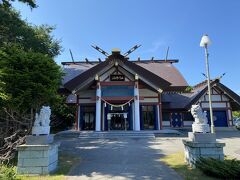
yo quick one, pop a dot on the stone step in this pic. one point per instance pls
(123, 134)
(116, 134)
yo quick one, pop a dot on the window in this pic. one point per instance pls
(166, 116)
(148, 117)
(88, 116)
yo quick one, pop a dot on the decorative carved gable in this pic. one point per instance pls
(116, 74)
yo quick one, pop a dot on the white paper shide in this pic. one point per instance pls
(42, 121)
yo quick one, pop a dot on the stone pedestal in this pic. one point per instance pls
(202, 137)
(36, 158)
(40, 130)
(202, 145)
(200, 128)
(36, 140)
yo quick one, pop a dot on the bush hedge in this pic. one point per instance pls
(7, 172)
(224, 169)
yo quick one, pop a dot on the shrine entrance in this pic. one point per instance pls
(117, 121)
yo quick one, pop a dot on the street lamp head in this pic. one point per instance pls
(205, 41)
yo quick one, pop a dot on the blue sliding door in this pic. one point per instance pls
(219, 118)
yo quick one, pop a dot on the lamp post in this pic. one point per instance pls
(205, 42)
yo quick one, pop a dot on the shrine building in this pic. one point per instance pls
(123, 94)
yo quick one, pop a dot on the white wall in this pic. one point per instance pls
(187, 123)
(214, 105)
(165, 123)
(147, 92)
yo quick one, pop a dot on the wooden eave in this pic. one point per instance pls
(153, 80)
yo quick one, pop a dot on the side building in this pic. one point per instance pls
(123, 94)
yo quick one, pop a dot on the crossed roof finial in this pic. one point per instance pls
(107, 55)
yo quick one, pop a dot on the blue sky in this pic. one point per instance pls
(155, 24)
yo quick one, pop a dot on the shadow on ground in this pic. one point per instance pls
(132, 158)
(126, 158)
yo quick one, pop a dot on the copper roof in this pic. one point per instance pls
(175, 100)
(73, 70)
(87, 74)
(171, 100)
(163, 69)
(186, 100)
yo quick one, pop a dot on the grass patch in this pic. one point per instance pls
(176, 162)
(65, 163)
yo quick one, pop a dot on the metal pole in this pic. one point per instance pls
(209, 90)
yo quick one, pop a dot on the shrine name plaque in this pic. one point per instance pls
(117, 77)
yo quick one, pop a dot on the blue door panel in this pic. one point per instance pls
(219, 118)
(176, 120)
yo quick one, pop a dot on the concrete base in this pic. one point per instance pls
(202, 137)
(195, 150)
(37, 159)
(36, 140)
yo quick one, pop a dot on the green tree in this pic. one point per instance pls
(31, 79)
(236, 114)
(188, 89)
(62, 114)
(3, 95)
(35, 38)
(30, 3)
(29, 76)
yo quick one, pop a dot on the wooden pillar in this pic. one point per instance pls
(103, 117)
(77, 114)
(160, 108)
(79, 117)
(98, 107)
(136, 106)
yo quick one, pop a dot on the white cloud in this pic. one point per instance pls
(156, 46)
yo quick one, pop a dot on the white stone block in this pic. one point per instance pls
(208, 151)
(35, 162)
(45, 170)
(202, 137)
(24, 154)
(29, 170)
(200, 128)
(35, 154)
(195, 150)
(40, 130)
(20, 161)
(39, 140)
(32, 147)
(45, 153)
(42, 159)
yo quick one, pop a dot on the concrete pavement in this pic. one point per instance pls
(126, 158)
(133, 158)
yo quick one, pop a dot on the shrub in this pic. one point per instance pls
(7, 172)
(227, 169)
